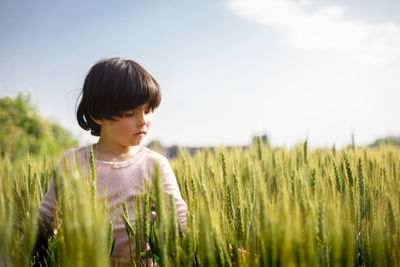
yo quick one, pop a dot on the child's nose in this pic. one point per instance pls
(142, 118)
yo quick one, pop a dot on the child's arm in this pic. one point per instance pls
(47, 210)
(171, 188)
(46, 223)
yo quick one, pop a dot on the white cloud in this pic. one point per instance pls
(305, 2)
(324, 28)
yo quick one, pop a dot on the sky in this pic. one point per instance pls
(228, 69)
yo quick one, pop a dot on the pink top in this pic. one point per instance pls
(121, 182)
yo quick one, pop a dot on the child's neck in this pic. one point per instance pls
(113, 153)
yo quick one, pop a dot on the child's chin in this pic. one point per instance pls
(136, 143)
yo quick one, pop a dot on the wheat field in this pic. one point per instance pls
(262, 206)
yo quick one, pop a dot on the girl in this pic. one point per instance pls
(117, 104)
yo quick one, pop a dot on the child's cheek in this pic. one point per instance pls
(126, 126)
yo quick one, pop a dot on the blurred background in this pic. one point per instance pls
(229, 69)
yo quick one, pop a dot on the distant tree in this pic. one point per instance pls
(23, 131)
(394, 140)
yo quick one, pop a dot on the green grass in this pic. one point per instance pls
(286, 207)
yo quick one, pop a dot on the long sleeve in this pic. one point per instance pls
(48, 207)
(171, 188)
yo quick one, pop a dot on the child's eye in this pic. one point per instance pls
(132, 113)
(128, 114)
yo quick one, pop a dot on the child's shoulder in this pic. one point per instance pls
(75, 155)
(154, 156)
(76, 152)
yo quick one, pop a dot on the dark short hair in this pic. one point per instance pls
(113, 86)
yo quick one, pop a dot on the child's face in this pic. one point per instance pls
(128, 130)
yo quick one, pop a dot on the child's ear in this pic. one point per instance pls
(99, 122)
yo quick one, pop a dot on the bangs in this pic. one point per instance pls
(137, 88)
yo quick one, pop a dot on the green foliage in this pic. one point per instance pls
(24, 132)
(284, 208)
